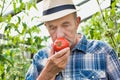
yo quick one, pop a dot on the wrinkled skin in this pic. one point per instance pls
(63, 27)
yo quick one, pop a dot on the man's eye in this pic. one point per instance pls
(65, 25)
(52, 28)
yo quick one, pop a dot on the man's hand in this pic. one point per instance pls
(56, 63)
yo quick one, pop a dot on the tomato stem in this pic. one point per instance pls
(59, 43)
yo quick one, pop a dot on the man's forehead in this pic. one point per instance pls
(62, 23)
(61, 19)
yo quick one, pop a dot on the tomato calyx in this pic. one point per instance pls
(60, 43)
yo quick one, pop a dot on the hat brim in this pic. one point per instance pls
(57, 15)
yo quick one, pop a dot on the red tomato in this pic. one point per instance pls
(60, 43)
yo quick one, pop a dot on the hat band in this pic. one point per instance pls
(58, 8)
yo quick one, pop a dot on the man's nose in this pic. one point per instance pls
(60, 33)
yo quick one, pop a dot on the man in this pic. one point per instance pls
(83, 60)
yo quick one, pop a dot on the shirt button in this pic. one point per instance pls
(93, 76)
(67, 76)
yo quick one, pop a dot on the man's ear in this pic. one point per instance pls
(78, 21)
(45, 23)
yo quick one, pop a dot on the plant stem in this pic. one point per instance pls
(111, 37)
(102, 14)
(7, 6)
(2, 8)
(113, 42)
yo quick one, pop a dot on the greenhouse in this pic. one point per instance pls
(22, 34)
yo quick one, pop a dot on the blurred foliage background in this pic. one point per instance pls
(105, 25)
(19, 43)
(16, 51)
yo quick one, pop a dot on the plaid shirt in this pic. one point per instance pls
(89, 60)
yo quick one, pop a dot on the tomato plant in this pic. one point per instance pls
(60, 43)
(105, 26)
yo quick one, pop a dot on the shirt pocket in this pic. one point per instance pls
(94, 74)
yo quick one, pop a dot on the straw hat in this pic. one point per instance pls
(54, 9)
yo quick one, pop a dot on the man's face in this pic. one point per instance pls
(64, 27)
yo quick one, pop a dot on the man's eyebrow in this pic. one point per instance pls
(50, 25)
(66, 22)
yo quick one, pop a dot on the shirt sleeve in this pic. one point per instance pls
(113, 66)
(32, 73)
(37, 65)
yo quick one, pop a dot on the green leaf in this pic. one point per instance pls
(4, 59)
(91, 33)
(1, 18)
(14, 7)
(22, 6)
(24, 25)
(34, 5)
(9, 17)
(20, 1)
(29, 5)
(6, 28)
(19, 19)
